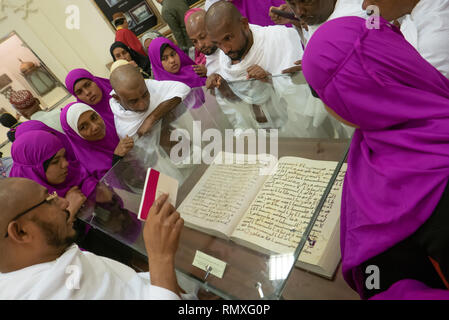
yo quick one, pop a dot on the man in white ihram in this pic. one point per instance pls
(40, 261)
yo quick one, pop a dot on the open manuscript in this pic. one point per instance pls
(270, 212)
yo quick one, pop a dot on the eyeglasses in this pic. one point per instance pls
(48, 199)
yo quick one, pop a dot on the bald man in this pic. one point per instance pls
(424, 23)
(40, 261)
(138, 104)
(196, 30)
(254, 52)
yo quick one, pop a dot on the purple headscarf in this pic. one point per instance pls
(186, 74)
(29, 152)
(95, 156)
(409, 289)
(103, 108)
(257, 11)
(33, 125)
(398, 164)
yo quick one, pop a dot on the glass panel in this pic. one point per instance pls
(291, 206)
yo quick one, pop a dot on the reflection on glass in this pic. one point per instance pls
(284, 103)
(41, 81)
(202, 119)
(21, 69)
(279, 266)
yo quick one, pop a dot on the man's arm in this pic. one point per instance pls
(161, 110)
(161, 235)
(217, 81)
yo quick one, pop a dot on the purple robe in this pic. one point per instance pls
(398, 164)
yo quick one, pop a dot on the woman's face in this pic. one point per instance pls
(121, 54)
(57, 170)
(91, 126)
(88, 91)
(170, 60)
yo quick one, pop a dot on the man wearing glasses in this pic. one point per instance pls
(40, 261)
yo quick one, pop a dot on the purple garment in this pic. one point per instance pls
(257, 11)
(29, 152)
(186, 74)
(95, 156)
(398, 164)
(33, 125)
(409, 289)
(103, 108)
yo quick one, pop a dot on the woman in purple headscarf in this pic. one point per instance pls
(93, 91)
(395, 196)
(169, 62)
(94, 141)
(40, 156)
(35, 125)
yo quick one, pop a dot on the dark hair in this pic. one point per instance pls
(8, 120)
(47, 163)
(142, 61)
(119, 22)
(314, 92)
(78, 80)
(163, 47)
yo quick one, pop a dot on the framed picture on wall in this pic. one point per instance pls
(141, 12)
(141, 15)
(195, 3)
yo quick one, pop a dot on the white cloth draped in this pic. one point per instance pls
(427, 29)
(284, 102)
(343, 8)
(50, 118)
(209, 3)
(80, 275)
(213, 62)
(128, 122)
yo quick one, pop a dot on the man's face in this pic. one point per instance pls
(312, 12)
(389, 9)
(199, 37)
(232, 38)
(136, 99)
(88, 91)
(125, 22)
(54, 222)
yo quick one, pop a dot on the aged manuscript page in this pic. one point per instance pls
(284, 206)
(222, 195)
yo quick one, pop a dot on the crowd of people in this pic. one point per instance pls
(388, 84)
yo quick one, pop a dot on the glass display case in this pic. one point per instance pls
(279, 113)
